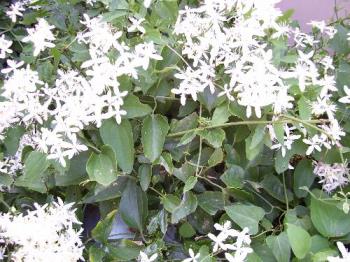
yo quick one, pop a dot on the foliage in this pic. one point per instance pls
(174, 134)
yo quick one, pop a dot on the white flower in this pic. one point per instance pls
(289, 139)
(227, 92)
(91, 2)
(344, 253)
(145, 52)
(136, 25)
(226, 230)
(41, 36)
(331, 176)
(4, 47)
(12, 65)
(44, 233)
(144, 258)
(345, 99)
(316, 142)
(193, 257)
(219, 242)
(15, 10)
(147, 3)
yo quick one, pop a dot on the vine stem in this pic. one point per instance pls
(200, 145)
(250, 122)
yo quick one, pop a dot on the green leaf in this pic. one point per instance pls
(211, 201)
(133, 207)
(154, 131)
(304, 108)
(170, 202)
(299, 240)
(96, 254)
(167, 162)
(246, 216)
(279, 246)
(187, 138)
(216, 158)
(328, 219)
(190, 183)
(34, 176)
(102, 167)
(127, 250)
(120, 138)
(339, 42)
(233, 177)
(103, 228)
(186, 230)
(274, 187)
(254, 139)
(282, 162)
(279, 131)
(221, 115)
(303, 177)
(187, 206)
(258, 137)
(145, 175)
(186, 123)
(214, 137)
(102, 193)
(135, 108)
(12, 138)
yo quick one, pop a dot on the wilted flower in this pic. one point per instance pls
(331, 175)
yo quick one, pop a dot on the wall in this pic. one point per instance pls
(307, 10)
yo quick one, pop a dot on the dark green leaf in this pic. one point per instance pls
(303, 177)
(279, 246)
(135, 108)
(102, 167)
(145, 175)
(299, 240)
(154, 131)
(246, 216)
(133, 207)
(211, 201)
(328, 219)
(187, 206)
(34, 176)
(120, 138)
(103, 228)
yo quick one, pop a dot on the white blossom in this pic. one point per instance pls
(193, 257)
(4, 46)
(12, 65)
(345, 99)
(147, 3)
(344, 253)
(144, 258)
(136, 25)
(41, 36)
(44, 233)
(15, 10)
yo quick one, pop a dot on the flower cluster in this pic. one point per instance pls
(44, 234)
(331, 176)
(240, 247)
(227, 40)
(76, 100)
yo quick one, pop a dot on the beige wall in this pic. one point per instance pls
(306, 10)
